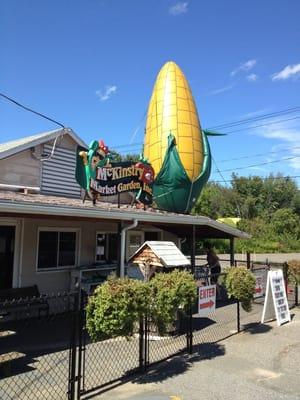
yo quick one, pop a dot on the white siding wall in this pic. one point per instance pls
(55, 281)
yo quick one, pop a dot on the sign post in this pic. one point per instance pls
(207, 300)
(276, 304)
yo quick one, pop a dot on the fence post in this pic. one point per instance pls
(238, 316)
(80, 327)
(296, 294)
(248, 260)
(146, 343)
(285, 276)
(73, 347)
(141, 343)
(189, 331)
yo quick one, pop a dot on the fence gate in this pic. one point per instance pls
(101, 363)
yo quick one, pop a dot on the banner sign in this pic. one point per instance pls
(100, 175)
(276, 304)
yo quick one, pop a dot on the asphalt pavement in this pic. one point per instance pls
(259, 364)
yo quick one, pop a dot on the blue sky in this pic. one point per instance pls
(91, 64)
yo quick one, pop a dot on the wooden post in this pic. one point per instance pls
(232, 252)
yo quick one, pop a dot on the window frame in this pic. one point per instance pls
(77, 232)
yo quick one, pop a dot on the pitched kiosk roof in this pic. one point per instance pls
(168, 253)
(15, 146)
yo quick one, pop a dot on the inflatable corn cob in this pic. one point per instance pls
(174, 143)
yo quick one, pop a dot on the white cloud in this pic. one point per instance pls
(252, 77)
(288, 135)
(244, 67)
(179, 8)
(107, 93)
(287, 72)
(221, 90)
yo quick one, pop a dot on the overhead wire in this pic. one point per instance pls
(31, 110)
(258, 154)
(258, 118)
(259, 164)
(133, 146)
(262, 125)
(235, 200)
(263, 178)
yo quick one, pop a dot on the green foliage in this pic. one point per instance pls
(169, 292)
(294, 270)
(269, 210)
(240, 284)
(115, 307)
(118, 304)
(285, 221)
(117, 157)
(215, 202)
(296, 203)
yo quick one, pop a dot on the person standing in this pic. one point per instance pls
(214, 266)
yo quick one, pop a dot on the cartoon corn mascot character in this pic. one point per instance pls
(96, 156)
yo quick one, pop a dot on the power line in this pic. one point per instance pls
(258, 118)
(230, 132)
(258, 164)
(30, 110)
(266, 178)
(259, 154)
(259, 126)
(235, 200)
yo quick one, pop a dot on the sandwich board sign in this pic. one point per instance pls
(207, 300)
(276, 304)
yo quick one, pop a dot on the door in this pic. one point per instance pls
(7, 245)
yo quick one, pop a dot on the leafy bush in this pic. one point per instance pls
(294, 270)
(240, 284)
(171, 291)
(118, 304)
(115, 307)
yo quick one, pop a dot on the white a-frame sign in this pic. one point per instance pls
(276, 304)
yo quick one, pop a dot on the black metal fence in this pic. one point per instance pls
(46, 352)
(35, 342)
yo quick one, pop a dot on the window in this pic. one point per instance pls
(56, 249)
(152, 235)
(135, 240)
(107, 247)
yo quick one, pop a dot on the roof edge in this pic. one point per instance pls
(38, 208)
(46, 137)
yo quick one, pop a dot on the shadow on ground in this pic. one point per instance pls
(180, 364)
(255, 328)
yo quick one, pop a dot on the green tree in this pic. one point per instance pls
(285, 221)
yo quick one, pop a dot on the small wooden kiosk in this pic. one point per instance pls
(155, 256)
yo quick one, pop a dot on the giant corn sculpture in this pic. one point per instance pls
(174, 143)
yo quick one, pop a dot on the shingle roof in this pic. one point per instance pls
(37, 204)
(15, 146)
